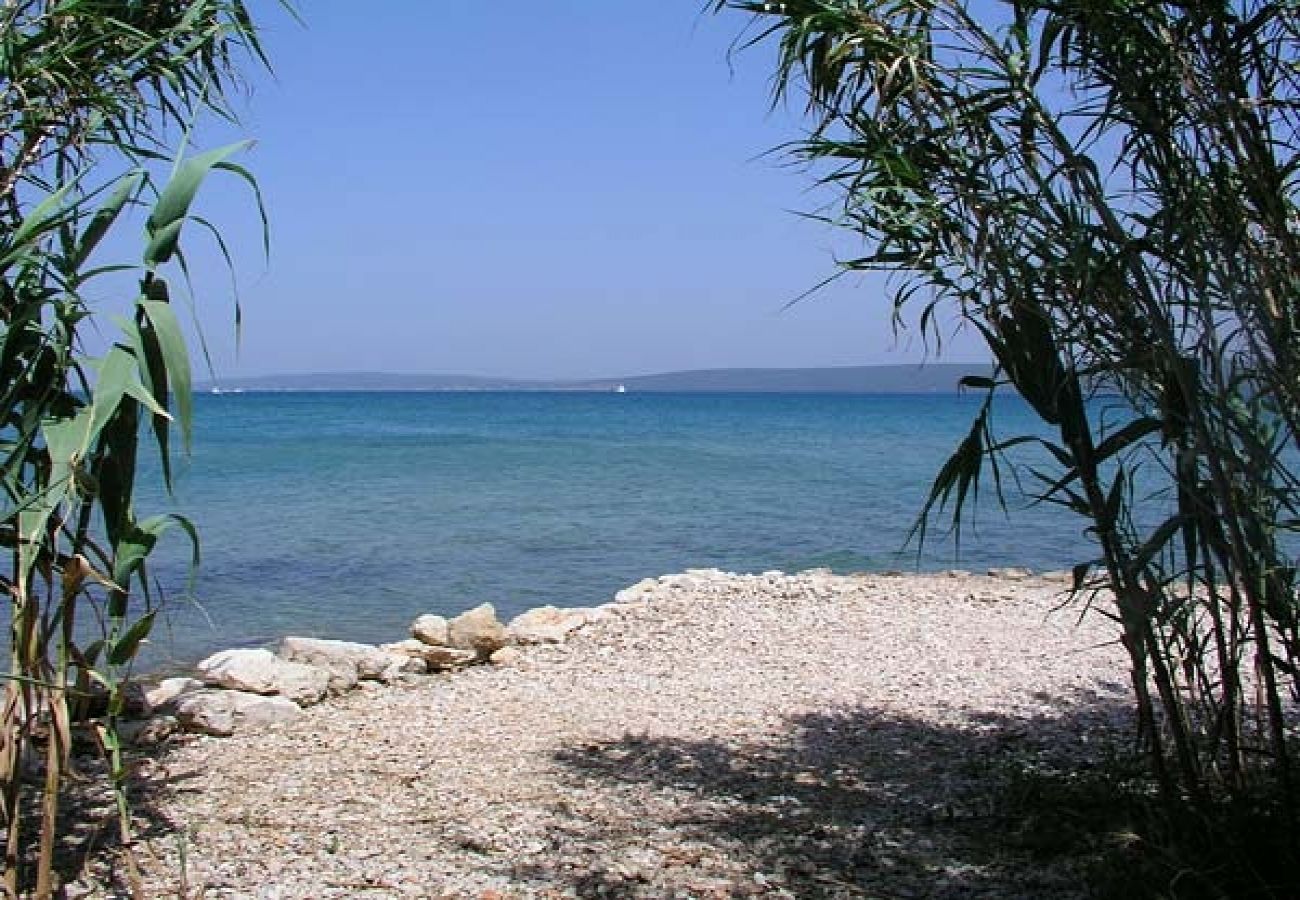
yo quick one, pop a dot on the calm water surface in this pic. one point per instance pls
(345, 515)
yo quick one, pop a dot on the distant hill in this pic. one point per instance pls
(908, 379)
(934, 378)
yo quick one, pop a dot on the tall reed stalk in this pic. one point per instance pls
(94, 96)
(1107, 194)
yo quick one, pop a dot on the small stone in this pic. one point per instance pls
(77, 890)
(135, 702)
(436, 659)
(431, 630)
(402, 664)
(506, 656)
(147, 732)
(1011, 573)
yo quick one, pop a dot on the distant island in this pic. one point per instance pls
(934, 378)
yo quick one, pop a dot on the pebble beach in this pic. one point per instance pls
(712, 736)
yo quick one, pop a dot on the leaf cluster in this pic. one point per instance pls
(93, 94)
(1107, 194)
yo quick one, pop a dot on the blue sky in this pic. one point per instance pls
(568, 189)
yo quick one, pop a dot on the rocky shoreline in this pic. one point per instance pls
(704, 734)
(251, 687)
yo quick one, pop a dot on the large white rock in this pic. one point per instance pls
(430, 630)
(435, 659)
(546, 625)
(164, 692)
(262, 672)
(221, 712)
(346, 661)
(478, 630)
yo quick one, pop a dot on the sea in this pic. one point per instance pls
(345, 515)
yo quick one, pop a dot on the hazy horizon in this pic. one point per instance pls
(204, 376)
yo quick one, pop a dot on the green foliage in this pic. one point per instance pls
(1107, 193)
(92, 95)
(1128, 843)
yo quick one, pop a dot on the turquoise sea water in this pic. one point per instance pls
(345, 515)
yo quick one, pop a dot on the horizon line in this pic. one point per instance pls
(210, 378)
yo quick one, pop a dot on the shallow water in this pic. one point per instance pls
(345, 515)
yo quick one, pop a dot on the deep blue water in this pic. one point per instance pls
(345, 515)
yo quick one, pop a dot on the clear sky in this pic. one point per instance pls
(568, 189)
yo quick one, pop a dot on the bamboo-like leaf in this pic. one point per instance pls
(958, 480)
(124, 649)
(138, 541)
(127, 188)
(176, 362)
(977, 382)
(87, 86)
(1109, 196)
(259, 200)
(1126, 437)
(43, 218)
(173, 205)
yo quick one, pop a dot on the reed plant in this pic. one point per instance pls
(97, 102)
(1106, 192)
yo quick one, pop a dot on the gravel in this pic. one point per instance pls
(714, 736)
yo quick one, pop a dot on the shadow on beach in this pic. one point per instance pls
(852, 803)
(89, 831)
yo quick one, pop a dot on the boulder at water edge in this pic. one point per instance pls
(262, 672)
(430, 630)
(432, 659)
(546, 625)
(221, 712)
(478, 630)
(345, 661)
(165, 692)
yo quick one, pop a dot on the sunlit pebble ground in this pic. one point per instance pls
(718, 736)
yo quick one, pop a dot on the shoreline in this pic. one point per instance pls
(705, 737)
(170, 666)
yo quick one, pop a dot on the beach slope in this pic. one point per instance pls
(715, 736)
